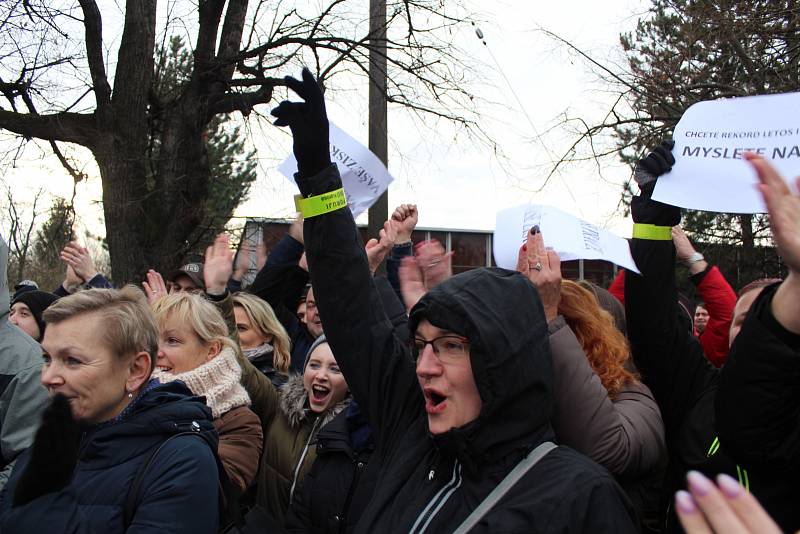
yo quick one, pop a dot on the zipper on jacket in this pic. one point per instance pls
(438, 501)
(302, 457)
(346, 510)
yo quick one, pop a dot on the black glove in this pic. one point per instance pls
(309, 124)
(54, 453)
(657, 162)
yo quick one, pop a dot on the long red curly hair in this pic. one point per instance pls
(605, 346)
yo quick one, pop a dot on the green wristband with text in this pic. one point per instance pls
(652, 232)
(320, 204)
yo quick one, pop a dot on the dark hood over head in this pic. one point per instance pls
(501, 314)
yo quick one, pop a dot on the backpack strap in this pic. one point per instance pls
(506, 484)
(228, 495)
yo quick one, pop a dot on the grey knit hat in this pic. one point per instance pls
(317, 342)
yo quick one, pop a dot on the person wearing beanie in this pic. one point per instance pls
(292, 418)
(27, 309)
(194, 347)
(22, 287)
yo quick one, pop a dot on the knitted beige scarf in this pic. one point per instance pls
(217, 381)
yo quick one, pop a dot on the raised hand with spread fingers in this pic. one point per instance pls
(80, 260)
(218, 265)
(154, 287)
(784, 217)
(435, 262)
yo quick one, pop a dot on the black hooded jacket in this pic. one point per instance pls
(431, 484)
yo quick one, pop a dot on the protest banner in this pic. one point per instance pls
(364, 176)
(710, 140)
(571, 237)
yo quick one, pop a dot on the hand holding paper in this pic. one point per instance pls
(544, 270)
(570, 237)
(364, 176)
(656, 163)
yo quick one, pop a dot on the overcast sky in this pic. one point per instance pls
(456, 182)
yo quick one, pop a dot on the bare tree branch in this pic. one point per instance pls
(93, 23)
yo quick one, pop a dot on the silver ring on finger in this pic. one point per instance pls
(538, 266)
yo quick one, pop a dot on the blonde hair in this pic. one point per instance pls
(197, 313)
(263, 318)
(128, 325)
(605, 346)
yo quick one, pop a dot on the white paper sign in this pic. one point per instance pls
(571, 237)
(710, 139)
(364, 176)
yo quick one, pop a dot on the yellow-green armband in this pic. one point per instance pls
(320, 204)
(652, 232)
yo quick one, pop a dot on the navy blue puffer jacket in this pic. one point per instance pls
(179, 492)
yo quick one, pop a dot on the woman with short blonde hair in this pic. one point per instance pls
(109, 422)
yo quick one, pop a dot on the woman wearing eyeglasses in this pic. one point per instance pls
(451, 421)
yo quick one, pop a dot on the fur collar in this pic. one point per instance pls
(294, 401)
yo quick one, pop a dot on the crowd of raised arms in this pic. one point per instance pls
(325, 398)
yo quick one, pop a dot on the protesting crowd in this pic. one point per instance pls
(326, 398)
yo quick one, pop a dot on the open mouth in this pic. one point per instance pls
(435, 402)
(319, 393)
(163, 369)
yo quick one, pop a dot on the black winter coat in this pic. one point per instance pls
(179, 492)
(758, 409)
(431, 484)
(341, 483)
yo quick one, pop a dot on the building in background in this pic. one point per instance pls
(472, 249)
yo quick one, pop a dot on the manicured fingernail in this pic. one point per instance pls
(729, 486)
(698, 484)
(684, 502)
(535, 229)
(524, 248)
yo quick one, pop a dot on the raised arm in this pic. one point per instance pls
(758, 401)
(718, 297)
(668, 356)
(404, 219)
(378, 369)
(625, 436)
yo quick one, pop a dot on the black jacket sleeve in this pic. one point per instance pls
(393, 265)
(379, 371)
(281, 286)
(669, 358)
(758, 401)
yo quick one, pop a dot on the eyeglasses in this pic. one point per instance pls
(447, 349)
